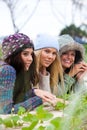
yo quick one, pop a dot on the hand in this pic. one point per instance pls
(46, 96)
(77, 68)
(80, 75)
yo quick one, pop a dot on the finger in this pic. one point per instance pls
(51, 96)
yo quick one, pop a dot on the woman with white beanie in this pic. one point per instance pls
(48, 63)
(72, 59)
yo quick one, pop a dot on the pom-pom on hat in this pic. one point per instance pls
(66, 43)
(46, 41)
(15, 43)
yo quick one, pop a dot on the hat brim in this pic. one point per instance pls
(75, 47)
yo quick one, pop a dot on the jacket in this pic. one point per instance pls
(7, 81)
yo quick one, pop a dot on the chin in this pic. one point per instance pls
(66, 67)
(47, 66)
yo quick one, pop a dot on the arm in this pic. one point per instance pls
(29, 104)
(7, 80)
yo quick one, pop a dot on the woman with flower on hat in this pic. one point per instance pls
(48, 63)
(19, 75)
(72, 59)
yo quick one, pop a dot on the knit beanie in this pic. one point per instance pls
(15, 43)
(46, 41)
(66, 43)
(7, 81)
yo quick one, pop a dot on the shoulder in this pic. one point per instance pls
(5, 68)
(7, 72)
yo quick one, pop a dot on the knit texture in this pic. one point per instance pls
(7, 80)
(14, 42)
(46, 41)
(29, 104)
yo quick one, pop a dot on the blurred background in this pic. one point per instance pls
(52, 16)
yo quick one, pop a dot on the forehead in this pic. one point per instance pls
(28, 50)
(70, 51)
(50, 49)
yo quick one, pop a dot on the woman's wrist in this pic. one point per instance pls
(33, 90)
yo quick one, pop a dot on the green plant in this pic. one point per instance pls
(74, 116)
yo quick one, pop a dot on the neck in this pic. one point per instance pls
(43, 70)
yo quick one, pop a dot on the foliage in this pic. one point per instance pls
(74, 31)
(60, 106)
(74, 116)
(40, 116)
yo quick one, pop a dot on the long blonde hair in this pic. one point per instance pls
(55, 70)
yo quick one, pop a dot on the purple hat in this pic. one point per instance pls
(15, 43)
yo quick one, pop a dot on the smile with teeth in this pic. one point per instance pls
(67, 62)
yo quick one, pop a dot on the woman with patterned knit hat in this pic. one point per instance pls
(72, 59)
(19, 75)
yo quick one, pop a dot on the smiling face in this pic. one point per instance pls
(67, 59)
(47, 57)
(26, 56)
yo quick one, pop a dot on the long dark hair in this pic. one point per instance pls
(16, 61)
(78, 58)
(32, 76)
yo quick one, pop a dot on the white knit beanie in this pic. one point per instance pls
(66, 43)
(46, 41)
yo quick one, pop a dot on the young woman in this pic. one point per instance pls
(19, 71)
(48, 63)
(72, 59)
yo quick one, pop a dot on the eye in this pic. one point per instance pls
(54, 53)
(25, 53)
(73, 54)
(32, 54)
(65, 53)
(47, 51)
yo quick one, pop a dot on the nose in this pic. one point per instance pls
(29, 58)
(50, 55)
(69, 56)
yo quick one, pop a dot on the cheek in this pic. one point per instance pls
(54, 57)
(43, 56)
(73, 58)
(42, 61)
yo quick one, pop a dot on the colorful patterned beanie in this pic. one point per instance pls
(15, 43)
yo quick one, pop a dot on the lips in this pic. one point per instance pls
(48, 62)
